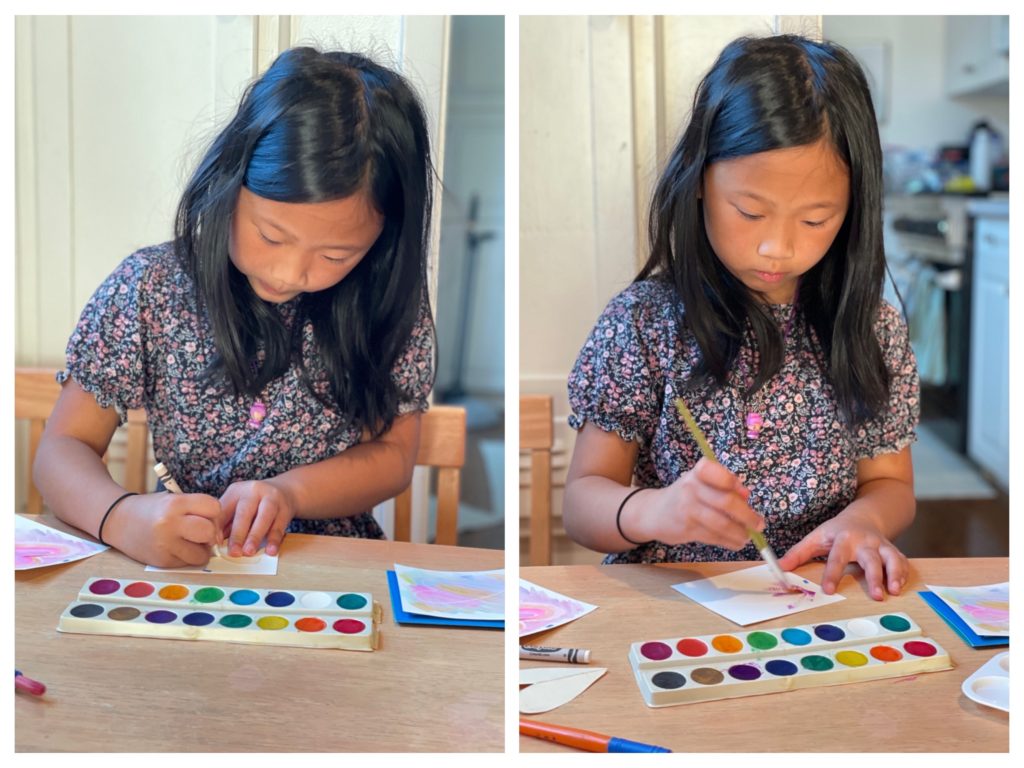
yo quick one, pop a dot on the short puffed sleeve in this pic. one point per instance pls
(413, 371)
(105, 354)
(893, 429)
(615, 383)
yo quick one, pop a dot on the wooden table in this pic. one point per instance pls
(927, 713)
(426, 689)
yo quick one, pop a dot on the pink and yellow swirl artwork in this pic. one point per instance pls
(452, 594)
(36, 545)
(985, 608)
(541, 608)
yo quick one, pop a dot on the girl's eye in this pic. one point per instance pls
(267, 240)
(342, 260)
(815, 223)
(749, 216)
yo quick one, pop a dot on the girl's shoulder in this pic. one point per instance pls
(890, 323)
(647, 302)
(152, 269)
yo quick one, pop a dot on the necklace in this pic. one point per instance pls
(753, 420)
(258, 410)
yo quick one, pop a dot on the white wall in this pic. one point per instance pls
(921, 115)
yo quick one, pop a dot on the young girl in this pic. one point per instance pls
(760, 306)
(281, 344)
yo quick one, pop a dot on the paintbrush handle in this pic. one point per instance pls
(705, 448)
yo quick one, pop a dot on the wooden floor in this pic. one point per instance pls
(959, 528)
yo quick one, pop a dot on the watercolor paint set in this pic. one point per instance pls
(683, 670)
(302, 618)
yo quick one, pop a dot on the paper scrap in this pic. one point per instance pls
(37, 545)
(541, 608)
(752, 594)
(555, 691)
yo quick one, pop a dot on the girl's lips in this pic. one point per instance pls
(770, 277)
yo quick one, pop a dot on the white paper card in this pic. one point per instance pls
(752, 595)
(260, 564)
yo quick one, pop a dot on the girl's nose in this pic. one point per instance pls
(290, 271)
(777, 243)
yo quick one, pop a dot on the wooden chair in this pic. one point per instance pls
(35, 392)
(537, 435)
(442, 445)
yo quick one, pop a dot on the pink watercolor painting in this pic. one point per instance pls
(453, 594)
(985, 609)
(541, 609)
(750, 595)
(37, 545)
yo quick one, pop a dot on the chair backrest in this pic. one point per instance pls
(537, 435)
(35, 392)
(442, 445)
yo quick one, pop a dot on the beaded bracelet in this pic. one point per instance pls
(118, 500)
(618, 517)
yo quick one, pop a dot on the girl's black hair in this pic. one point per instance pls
(318, 126)
(763, 94)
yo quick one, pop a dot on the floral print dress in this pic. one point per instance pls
(141, 342)
(801, 468)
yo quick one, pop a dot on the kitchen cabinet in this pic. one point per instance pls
(977, 55)
(988, 425)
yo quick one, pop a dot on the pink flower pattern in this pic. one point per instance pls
(801, 469)
(141, 342)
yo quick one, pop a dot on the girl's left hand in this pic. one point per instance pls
(255, 510)
(848, 539)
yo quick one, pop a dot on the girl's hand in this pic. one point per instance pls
(708, 504)
(255, 510)
(847, 538)
(166, 530)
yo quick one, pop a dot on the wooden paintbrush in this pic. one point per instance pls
(755, 536)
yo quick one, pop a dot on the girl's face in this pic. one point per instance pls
(772, 216)
(285, 249)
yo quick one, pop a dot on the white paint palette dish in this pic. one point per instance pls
(990, 685)
(688, 669)
(302, 618)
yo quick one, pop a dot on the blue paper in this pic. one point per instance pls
(958, 625)
(404, 617)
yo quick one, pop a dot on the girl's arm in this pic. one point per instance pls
(159, 529)
(862, 533)
(346, 484)
(706, 504)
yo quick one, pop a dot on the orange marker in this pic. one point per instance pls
(580, 739)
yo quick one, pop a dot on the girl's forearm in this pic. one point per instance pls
(351, 482)
(74, 481)
(888, 503)
(589, 510)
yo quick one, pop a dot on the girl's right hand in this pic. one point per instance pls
(707, 504)
(166, 530)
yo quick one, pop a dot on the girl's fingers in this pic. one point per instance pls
(871, 562)
(198, 530)
(834, 567)
(265, 515)
(192, 554)
(897, 569)
(276, 535)
(245, 511)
